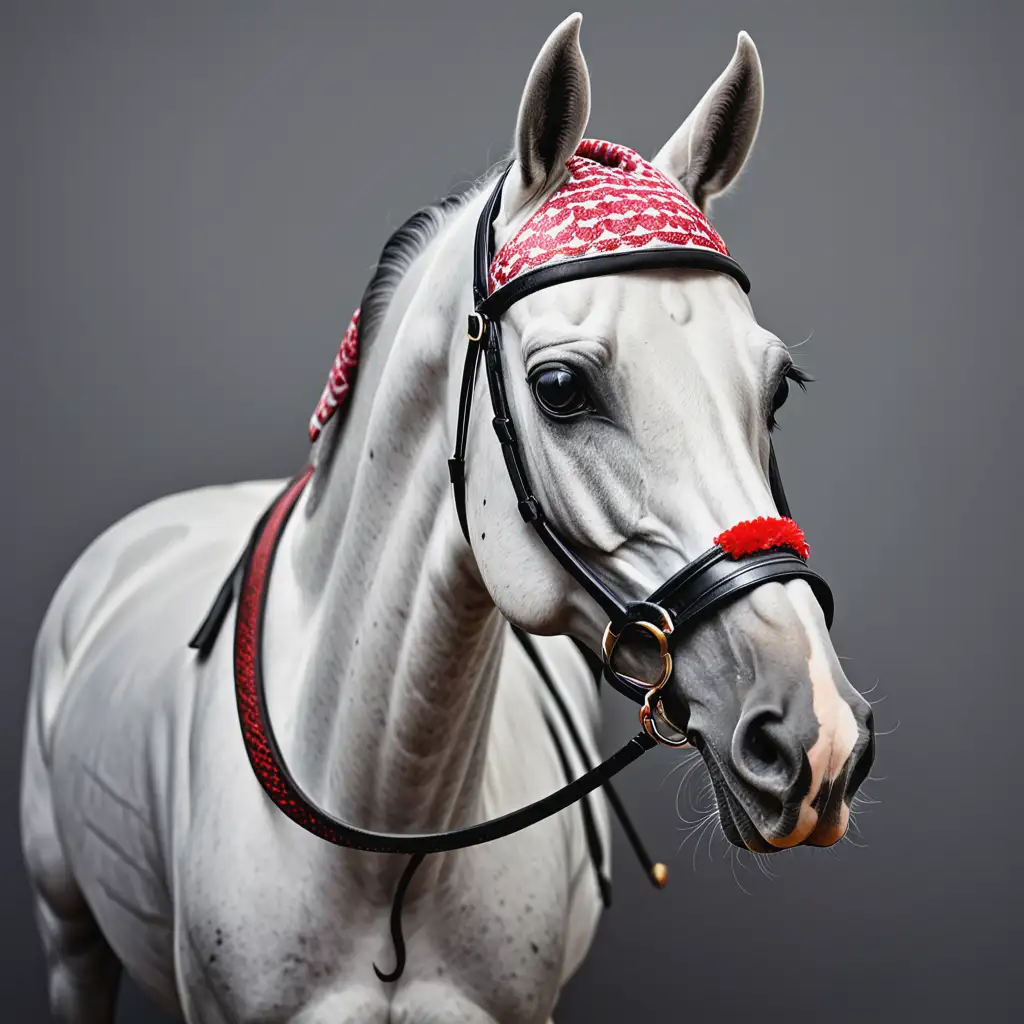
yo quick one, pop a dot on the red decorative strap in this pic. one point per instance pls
(339, 380)
(259, 743)
(762, 534)
(271, 770)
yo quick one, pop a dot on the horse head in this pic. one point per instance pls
(644, 403)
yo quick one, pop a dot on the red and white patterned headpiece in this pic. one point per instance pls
(612, 199)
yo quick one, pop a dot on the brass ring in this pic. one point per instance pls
(660, 634)
(481, 324)
(649, 720)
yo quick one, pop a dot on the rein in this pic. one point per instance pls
(265, 756)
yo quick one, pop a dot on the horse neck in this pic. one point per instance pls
(398, 639)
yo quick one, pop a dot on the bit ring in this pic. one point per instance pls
(649, 720)
(660, 633)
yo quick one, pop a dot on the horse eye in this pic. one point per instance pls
(781, 394)
(778, 400)
(558, 391)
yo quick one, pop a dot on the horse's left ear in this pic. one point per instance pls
(553, 115)
(707, 153)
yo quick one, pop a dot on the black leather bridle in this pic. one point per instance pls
(697, 590)
(690, 596)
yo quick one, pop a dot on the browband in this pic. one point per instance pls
(665, 257)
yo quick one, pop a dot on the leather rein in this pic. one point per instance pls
(691, 595)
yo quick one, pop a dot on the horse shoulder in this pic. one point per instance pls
(110, 707)
(205, 526)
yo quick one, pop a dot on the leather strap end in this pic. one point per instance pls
(529, 509)
(503, 428)
(457, 474)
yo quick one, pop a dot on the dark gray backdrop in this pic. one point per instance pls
(195, 194)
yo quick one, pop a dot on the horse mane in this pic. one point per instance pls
(399, 253)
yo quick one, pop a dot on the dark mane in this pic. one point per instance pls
(398, 254)
(399, 251)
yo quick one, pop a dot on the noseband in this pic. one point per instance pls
(744, 557)
(699, 589)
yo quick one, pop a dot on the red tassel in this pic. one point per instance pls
(762, 534)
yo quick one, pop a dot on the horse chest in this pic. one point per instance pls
(498, 927)
(485, 931)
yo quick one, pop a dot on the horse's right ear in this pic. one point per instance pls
(553, 115)
(708, 152)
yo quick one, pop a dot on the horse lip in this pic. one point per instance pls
(738, 826)
(830, 803)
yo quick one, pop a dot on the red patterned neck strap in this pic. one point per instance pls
(265, 756)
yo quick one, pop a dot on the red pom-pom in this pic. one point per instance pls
(762, 534)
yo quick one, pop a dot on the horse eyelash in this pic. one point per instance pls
(800, 377)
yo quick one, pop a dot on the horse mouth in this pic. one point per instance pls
(737, 824)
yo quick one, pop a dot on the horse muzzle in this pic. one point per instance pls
(637, 648)
(776, 777)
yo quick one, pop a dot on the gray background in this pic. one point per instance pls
(195, 194)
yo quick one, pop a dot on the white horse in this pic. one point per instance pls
(397, 698)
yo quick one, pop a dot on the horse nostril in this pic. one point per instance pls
(769, 763)
(760, 746)
(761, 754)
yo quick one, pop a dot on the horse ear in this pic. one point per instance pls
(707, 153)
(553, 115)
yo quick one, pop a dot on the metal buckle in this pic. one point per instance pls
(649, 714)
(480, 326)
